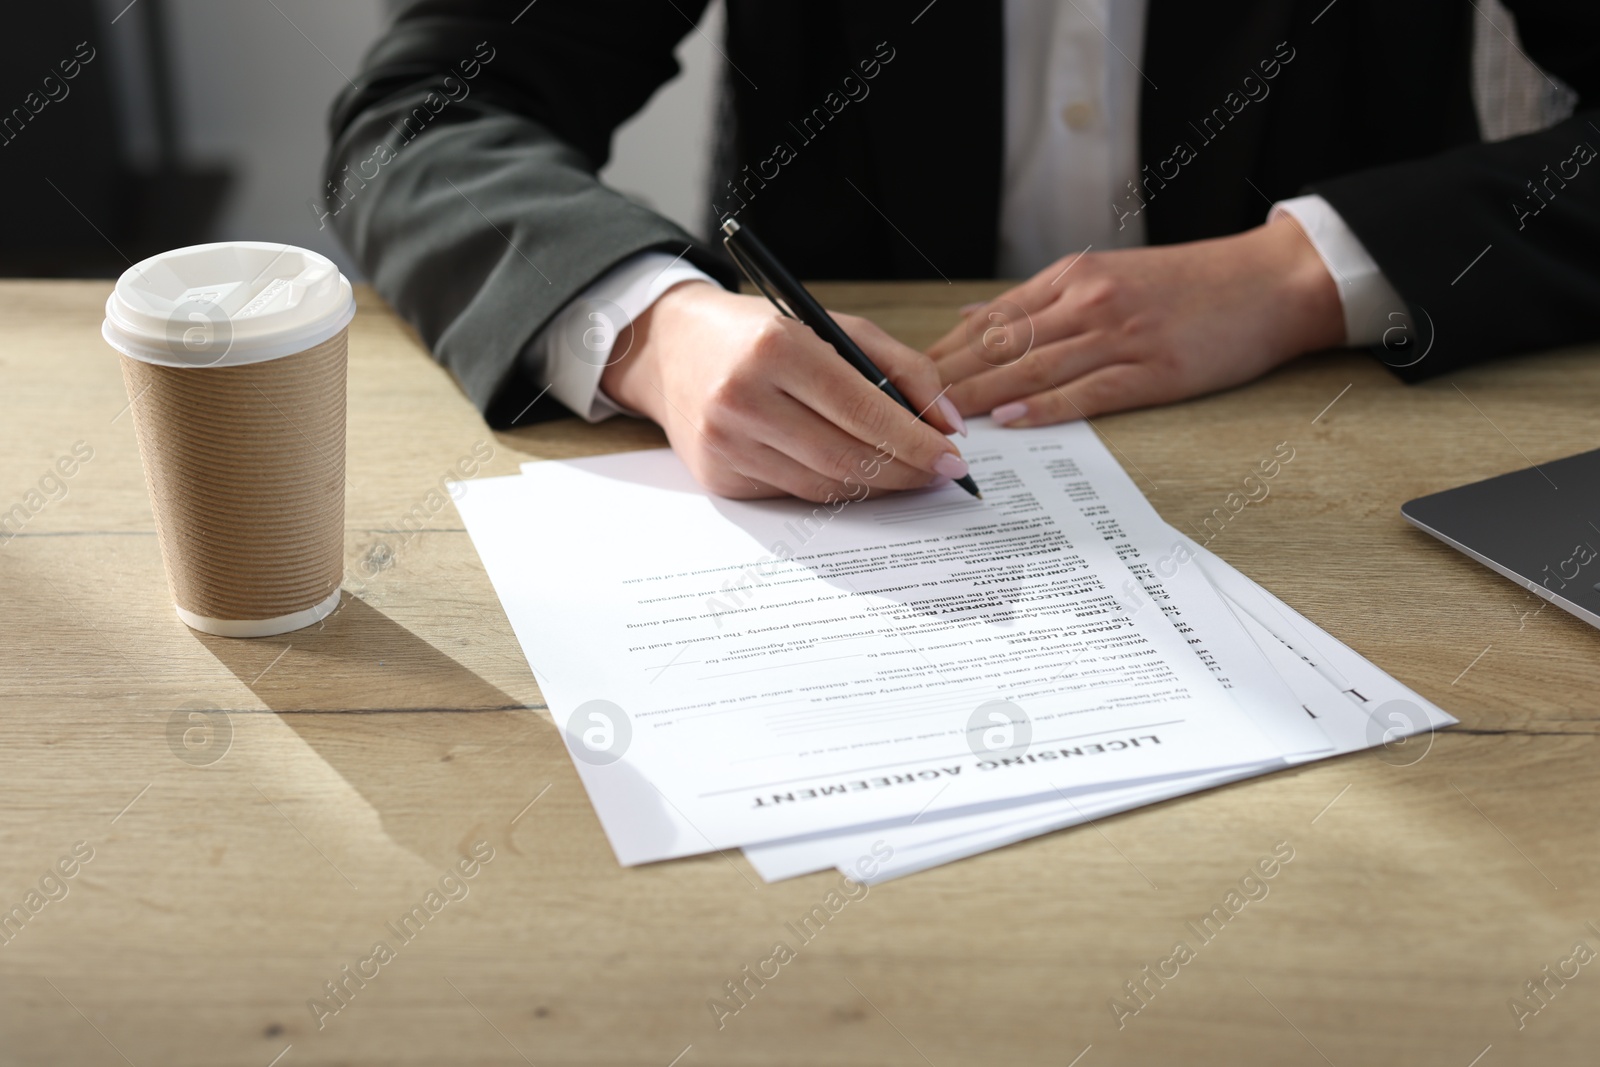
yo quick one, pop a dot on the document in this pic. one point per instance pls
(728, 673)
(929, 671)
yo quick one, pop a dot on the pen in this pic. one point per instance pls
(767, 274)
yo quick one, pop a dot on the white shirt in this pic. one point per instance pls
(1072, 87)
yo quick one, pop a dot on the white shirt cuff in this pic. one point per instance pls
(1368, 299)
(575, 348)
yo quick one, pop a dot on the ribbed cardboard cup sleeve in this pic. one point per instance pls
(245, 466)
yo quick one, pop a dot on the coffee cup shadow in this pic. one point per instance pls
(356, 660)
(355, 689)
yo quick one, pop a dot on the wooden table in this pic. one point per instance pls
(238, 867)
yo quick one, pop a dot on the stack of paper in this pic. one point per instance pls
(886, 685)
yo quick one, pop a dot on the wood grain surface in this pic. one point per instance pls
(258, 813)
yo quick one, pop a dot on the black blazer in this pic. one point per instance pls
(865, 140)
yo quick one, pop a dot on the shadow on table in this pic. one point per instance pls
(356, 660)
(443, 757)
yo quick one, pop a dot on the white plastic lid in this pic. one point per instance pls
(226, 304)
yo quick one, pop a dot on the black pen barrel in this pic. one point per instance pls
(806, 308)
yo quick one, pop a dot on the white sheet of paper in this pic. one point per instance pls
(777, 669)
(1343, 690)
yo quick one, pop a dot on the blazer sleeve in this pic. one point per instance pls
(462, 172)
(1495, 248)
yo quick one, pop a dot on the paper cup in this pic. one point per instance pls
(234, 359)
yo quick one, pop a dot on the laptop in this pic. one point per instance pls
(1539, 527)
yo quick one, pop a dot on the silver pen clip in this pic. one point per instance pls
(731, 227)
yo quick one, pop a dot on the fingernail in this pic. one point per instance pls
(950, 465)
(953, 415)
(967, 309)
(1006, 414)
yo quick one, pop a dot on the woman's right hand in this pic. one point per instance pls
(757, 405)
